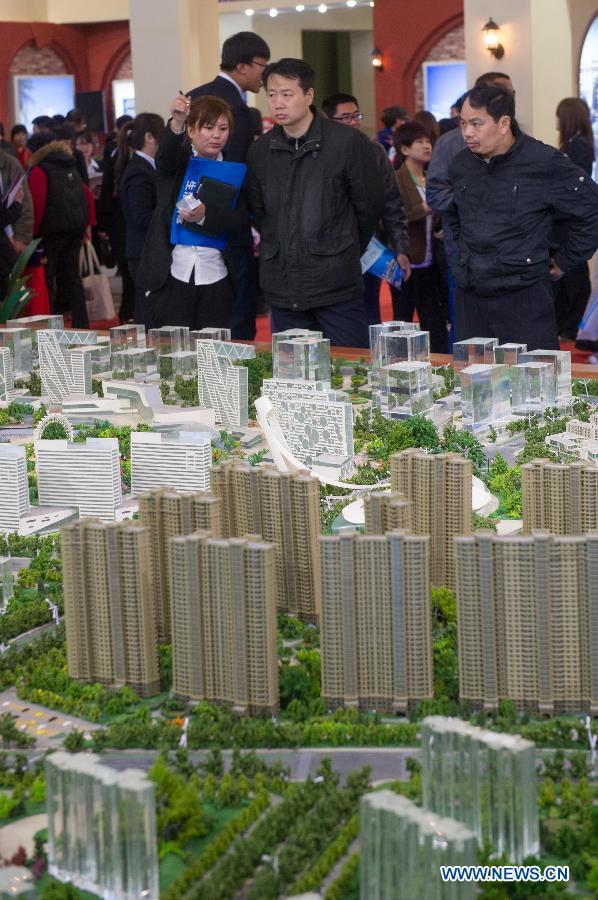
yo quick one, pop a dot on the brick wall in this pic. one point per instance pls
(125, 70)
(451, 46)
(37, 61)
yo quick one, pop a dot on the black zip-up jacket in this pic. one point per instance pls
(503, 212)
(316, 204)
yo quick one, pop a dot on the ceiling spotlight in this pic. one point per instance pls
(273, 12)
(300, 7)
(248, 12)
(351, 3)
(322, 8)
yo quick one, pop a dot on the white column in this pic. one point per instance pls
(540, 55)
(175, 46)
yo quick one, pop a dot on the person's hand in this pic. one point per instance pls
(19, 246)
(405, 265)
(195, 215)
(179, 110)
(555, 271)
(86, 236)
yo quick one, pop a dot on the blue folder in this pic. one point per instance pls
(198, 168)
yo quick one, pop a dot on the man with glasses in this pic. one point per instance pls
(344, 108)
(245, 55)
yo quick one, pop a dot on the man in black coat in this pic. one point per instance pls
(507, 190)
(316, 194)
(244, 58)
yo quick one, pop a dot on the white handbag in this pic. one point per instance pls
(98, 297)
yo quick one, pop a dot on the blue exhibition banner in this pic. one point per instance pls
(198, 168)
(381, 261)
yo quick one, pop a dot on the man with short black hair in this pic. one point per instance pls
(344, 108)
(507, 190)
(243, 60)
(76, 118)
(316, 194)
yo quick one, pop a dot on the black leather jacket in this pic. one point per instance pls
(316, 205)
(503, 212)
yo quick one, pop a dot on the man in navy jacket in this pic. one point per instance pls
(244, 58)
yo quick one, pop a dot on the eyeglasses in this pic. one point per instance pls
(256, 62)
(349, 117)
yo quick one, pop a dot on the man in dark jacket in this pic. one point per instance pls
(244, 58)
(316, 195)
(507, 190)
(344, 108)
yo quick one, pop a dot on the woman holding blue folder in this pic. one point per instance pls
(184, 267)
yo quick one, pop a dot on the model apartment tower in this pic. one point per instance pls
(167, 514)
(109, 605)
(101, 827)
(83, 474)
(386, 512)
(285, 510)
(224, 622)
(182, 462)
(403, 847)
(7, 380)
(439, 488)
(375, 628)
(527, 614)
(14, 487)
(485, 779)
(562, 499)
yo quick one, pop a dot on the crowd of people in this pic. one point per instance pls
(491, 229)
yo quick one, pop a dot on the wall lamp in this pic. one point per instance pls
(492, 43)
(377, 61)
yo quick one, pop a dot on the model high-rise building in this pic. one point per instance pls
(18, 341)
(14, 487)
(303, 358)
(508, 354)
(562, 499)
(130, 335)
(62, 371)
(473, 351)
(7, 381)
(109, 607)
(376, 633)
(403, 847)
(221, 385)
(376, 332)
(533, 387)
(405, 388)
(181, 363)
(404, 346)
(485, 396)
(561, 360)
(208, 334)
(82, 474)
(386, 512)
(182, 462)
(224, 622)
(527, 614)
(6, 583)
(167, 514)
(486, 780)
(285, 510)
(439, 488)
(131, 360)
(168, 339)
(101, 827)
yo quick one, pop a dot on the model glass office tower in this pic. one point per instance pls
(485, 779)
(561, 360)
(404, 346)
(375, 627)
(83, 474)
(101, 827)
(508, 354)
(181, 462)
(376, 332)
(130, 335)
(221, 385)
(533, 387)
(208, 334)
(386, 512)
(305, 358)
(14, 487)
(168, 339)
(7, 381)
(403, 847)
(439, 488)
(63, 371)
(485, 396)
(131, 360)
(289, 334)
(18, 341)
(109, 605)
(405, 389)
(181, 362)
(224, 622)
(562, 499)
(527, 615)
(473, 351)
(285, 510)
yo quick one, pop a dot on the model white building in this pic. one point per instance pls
(579, 438)
(221, 385)
(101, 827)
(7, 381)
(63, 371)
(85, 475)
(181, 462)
(14, 489)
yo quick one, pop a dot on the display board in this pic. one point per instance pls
(444, 82)
(42, 95)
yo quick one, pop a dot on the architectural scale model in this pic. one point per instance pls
(101, 827)
(63, 371)
(386, 512)
(168, 339)
(484, 779)
(224, 622)
(109, 605)
(439, 488)
(579, 439)
(85, 475)
(130, 335)
(7, 381)
(405, 389)
(561, 360)
(376, 332)
(18, 341)
(508, 354)
(167, 514)
(6, 583)
(562, 499)
(305, 358)
(376, 633)
(403, 847)
(14, 489)
(37, 323)
(485, 396)
(182, 462)
(473, 351)
(221, 385)
(527, 615)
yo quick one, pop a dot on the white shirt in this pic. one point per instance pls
(207, 263)
(232, 81)
(147, 158)
(428, 259)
